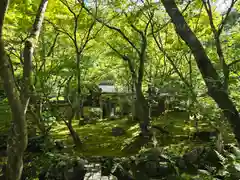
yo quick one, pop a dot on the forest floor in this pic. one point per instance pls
(99, 141)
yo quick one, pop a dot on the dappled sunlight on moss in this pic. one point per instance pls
(98, 140)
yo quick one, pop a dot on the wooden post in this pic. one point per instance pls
(167, 103)
(101, 106)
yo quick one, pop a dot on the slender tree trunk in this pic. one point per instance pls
(216, 89)
(78, 99)
(18, 135)
(18, 103)
(142, 108)
(70, 114)
(141, 104)
(28, 53)
(216, 34)
(76, 139)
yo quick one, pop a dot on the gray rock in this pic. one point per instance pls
(118, 131)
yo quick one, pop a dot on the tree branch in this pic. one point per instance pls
(87, 37)
(221, 25)
(110, 27)
(160, 47)
(234, 62)
(49, 53)
(216, 34)
(125, 58)
(204, 64)
(169, 21)
(61, 30)
(53, 45)
(142, 52)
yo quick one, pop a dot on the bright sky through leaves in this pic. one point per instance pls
(223, 5)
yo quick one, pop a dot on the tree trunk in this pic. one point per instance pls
(28, 53)
(78, 99)
(30, 43)
(70, 115)
(142, 113)
(76, 139)
(17, 142)
(216, 89)
(18, 134)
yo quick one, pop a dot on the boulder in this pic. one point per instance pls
(36, 144)
(59, 145)
(107, 164)
(205, 136)
(205, 158)
(121, 174)
(72, 170)
(154, 164)
(118, 131)
(77, 172)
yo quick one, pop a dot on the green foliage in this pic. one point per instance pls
(70, 31)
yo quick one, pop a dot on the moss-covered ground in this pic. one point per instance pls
(98, 140)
